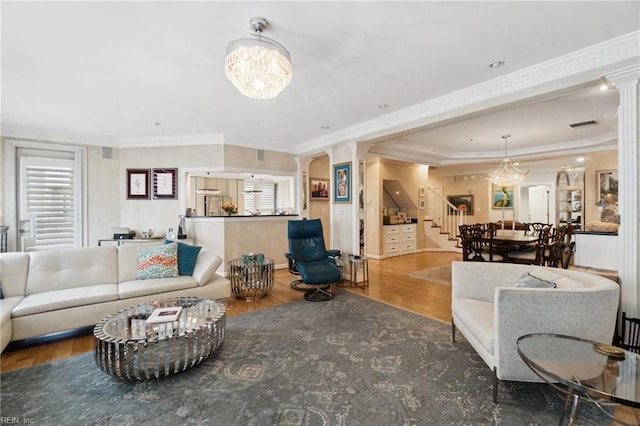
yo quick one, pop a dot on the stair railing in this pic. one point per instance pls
(449, 217)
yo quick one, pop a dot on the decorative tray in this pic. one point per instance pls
(609, 350)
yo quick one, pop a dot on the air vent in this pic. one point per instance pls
(583, 124)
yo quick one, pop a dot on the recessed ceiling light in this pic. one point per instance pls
(325, 127)
(383, 106)
(580, 159)
(496, 64)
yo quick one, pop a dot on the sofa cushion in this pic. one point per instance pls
(477, 315)
(51, 270)
(566, 282)
(158, 262)
(187, 256)
(14, 269)
(136, 288)
(66, 298)
(531, 281)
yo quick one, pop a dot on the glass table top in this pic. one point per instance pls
(576, 363)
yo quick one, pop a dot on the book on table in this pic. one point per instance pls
(164, 315)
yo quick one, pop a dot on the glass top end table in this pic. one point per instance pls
(583, 369)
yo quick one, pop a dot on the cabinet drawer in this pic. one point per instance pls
(408, 237)
(392, 248)
(407, 228)
(391, 230)
(392, 239)
(408, 246)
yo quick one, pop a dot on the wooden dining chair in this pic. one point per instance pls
(630, 333)
(533, 254)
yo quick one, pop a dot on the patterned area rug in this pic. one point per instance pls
(349, 361)
(437, 274)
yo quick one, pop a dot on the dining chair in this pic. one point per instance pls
(630, 333)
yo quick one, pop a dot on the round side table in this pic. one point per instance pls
(356, 263)
(250, 280)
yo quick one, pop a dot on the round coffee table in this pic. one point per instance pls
(128, 347)
(250, 280)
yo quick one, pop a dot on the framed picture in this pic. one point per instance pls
(606, 186)
(421, 192)
(422, 205)
(342, 183)
(463, 203)
(501, 196)
(138, 184)
(165, 184)
(319, 189)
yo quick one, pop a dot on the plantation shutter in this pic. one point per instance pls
(48, 203)
(267, 198)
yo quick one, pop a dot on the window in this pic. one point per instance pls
(261, 193)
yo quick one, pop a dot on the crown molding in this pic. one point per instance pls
(24, 133)
(174, 140)
(577, 67)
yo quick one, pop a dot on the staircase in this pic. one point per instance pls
(443, 229)
(443, 239)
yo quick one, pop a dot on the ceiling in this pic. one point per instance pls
(113, 73)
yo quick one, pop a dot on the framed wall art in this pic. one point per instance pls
(165, 184)
(463, 203)
(501, 196)
(319, 189)
(342, 183)
(606, 185)
(138, 184)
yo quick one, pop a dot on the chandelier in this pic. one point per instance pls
(507, 174)
(259, 67)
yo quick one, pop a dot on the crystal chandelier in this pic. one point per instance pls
(507, 174)
(259, 67)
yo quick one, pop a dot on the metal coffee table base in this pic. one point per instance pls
(197, 334)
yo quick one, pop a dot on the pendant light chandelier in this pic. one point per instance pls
(259, 67)
(507, 174)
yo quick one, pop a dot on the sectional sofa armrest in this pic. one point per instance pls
(206, 266)
(583, 312)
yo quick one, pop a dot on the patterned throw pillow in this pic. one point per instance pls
(158, 262)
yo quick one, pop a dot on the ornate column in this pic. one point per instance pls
(626, 82)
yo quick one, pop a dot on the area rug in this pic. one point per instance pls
(437, 274)
(349, 361)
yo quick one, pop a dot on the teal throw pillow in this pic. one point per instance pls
(187, 256)
(158, 262)
(530, 281)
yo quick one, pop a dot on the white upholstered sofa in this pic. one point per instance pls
(56, 290)
(492, 313)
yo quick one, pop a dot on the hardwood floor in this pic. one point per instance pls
(388, 283)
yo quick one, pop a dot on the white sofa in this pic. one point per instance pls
(56, 290)
(492, 313)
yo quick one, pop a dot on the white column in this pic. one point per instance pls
(626, 82)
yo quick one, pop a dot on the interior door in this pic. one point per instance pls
(539, 203)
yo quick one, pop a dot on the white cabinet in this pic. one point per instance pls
(399, 239)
